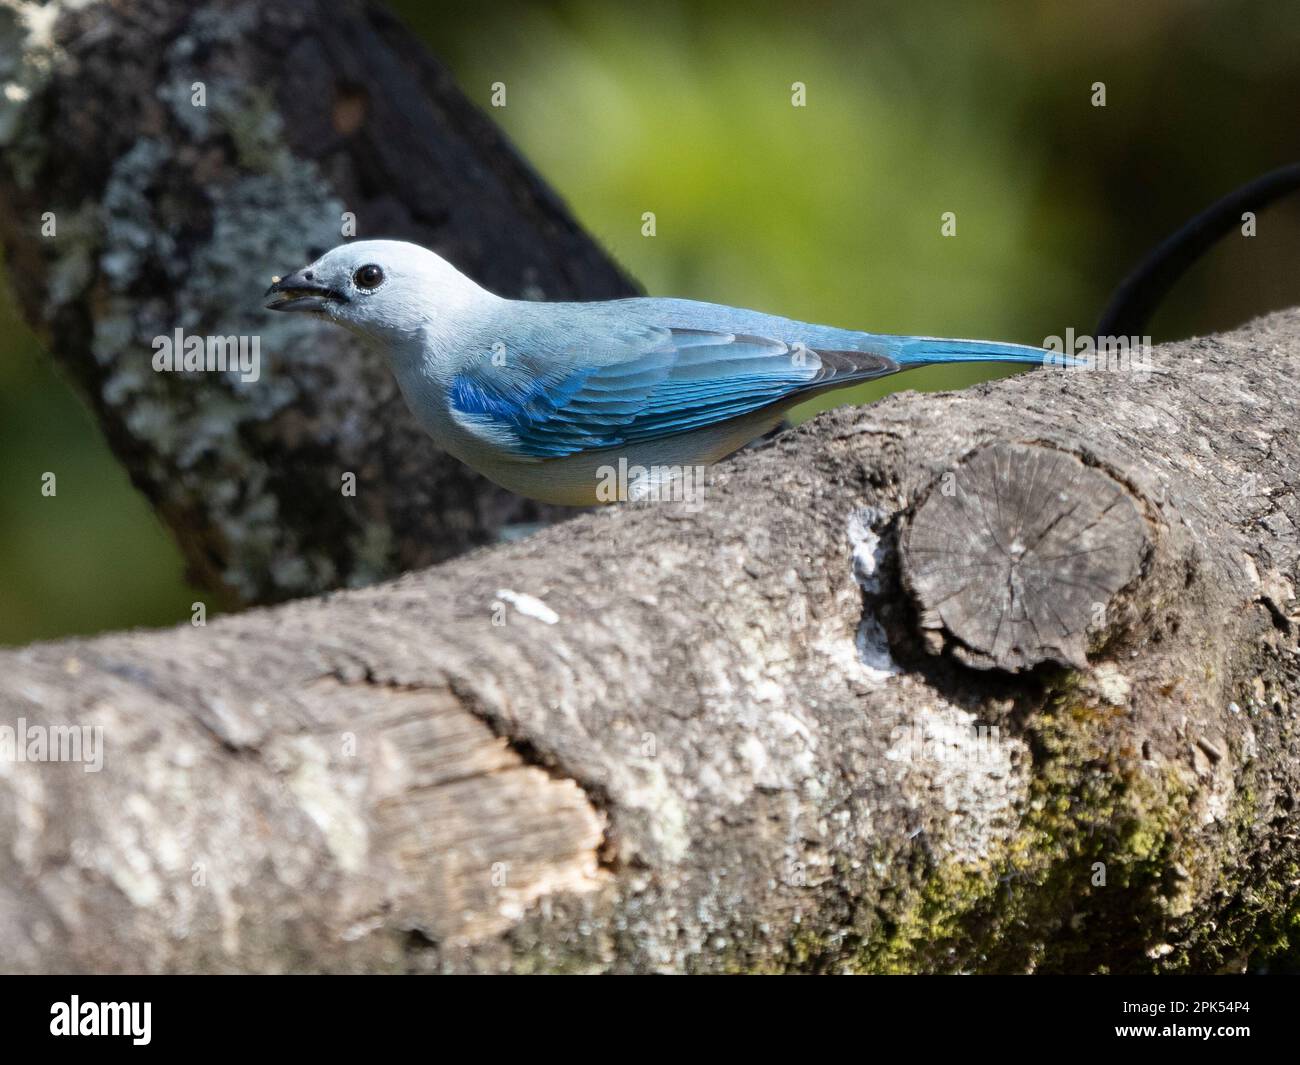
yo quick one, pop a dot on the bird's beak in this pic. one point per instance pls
(298, 292)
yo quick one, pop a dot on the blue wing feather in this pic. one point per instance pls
(601, 375)
(682, 379)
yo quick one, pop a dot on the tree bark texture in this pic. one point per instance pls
(1001, 681)
(159, 161)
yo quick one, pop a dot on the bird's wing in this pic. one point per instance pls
(669, 381)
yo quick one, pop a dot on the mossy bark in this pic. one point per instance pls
(159, 162)
(724, 736)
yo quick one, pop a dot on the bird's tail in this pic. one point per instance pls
(925, 351)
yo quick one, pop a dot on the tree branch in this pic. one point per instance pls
(169, 215)
(755, 734)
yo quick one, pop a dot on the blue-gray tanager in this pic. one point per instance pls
(546, 398)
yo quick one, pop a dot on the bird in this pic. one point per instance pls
(546, 398)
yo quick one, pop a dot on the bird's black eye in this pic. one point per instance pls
(368, 276)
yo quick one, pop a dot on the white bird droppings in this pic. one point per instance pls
(529, 605)
(868, 556)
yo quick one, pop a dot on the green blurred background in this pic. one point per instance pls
(829, 212)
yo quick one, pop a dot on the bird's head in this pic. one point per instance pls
(382, 289)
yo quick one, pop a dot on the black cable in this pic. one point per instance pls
(1139, 294)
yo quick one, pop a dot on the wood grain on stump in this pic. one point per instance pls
(1018, 551)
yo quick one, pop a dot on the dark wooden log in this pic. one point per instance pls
(159, 161)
